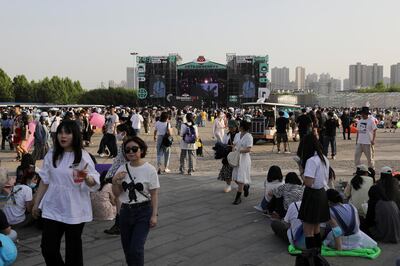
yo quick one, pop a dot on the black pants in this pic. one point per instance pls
(110, 142)
(346, 127)
(280, 229)
(51, 241)
(5, 132)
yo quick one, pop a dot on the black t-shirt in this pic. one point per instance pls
(281, 124)
(3, 221)
(330, 127)
(305, 123)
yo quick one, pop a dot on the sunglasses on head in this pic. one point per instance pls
(134, 149)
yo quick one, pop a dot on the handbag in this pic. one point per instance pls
(167, 138)
(233, 158)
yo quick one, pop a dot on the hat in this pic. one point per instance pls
(232, 123)
(386, 170)
(365, 110)
(363, 167)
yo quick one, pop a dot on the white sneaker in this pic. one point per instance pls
(227, 189)
(167, 170)
(102, 155)
(258, 208)
(279, 152)
(287, 152)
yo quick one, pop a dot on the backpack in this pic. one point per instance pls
(190, 134)
(8, 250)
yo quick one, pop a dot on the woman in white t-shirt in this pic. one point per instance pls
(63, 197)
(136, 185)
(314, 208)
(160, 128)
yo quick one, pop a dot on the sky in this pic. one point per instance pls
(91, 40)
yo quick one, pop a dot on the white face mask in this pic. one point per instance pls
(120, 136)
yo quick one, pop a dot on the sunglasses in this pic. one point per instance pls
(133, 149)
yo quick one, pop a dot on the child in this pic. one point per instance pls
(273, 180)
(199, 145)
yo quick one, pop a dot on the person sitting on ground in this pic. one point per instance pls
(290, 229)
(390, 185)
(383, 216)
(285, 194)
(18, 201)
(357, 189)
(273, 180)
(103, 201)
(26, 168)
(345, 233)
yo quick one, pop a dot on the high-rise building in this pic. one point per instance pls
(346, 84)
(280, 78)
(364, 76)
(324, 77)
(376, 74)
(132, 78)
(112, 84)
(300, 78)
(395, 75)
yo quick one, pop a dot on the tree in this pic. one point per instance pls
(23, 90)
(6, 88)
(111, 96)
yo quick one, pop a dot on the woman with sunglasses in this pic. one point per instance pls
(136, 185)
(63, 197)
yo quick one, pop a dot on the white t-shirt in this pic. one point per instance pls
(111, 123)
(161, 127)
(269, 186)
(54, 122)
(66, 201)
(291, 218)
(317, 170)
(136, 120)
(16, 206)
(145, 174)
(365, 129)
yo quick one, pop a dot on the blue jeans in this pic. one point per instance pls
(162, 152)
(134, 227)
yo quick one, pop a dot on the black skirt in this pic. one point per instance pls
(314, 207)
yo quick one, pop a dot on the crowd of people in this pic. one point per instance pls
(306, 209)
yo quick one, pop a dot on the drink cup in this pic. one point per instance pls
(79, 174)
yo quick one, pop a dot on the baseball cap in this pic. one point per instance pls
(386, 170)
(363, 167)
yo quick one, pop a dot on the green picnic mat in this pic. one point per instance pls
(370, 253)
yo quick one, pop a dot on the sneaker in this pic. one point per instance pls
(181, 172)
(279, 152)
(227, 188)
(287, 152)
(114, 230)
(258, 208)
(190, 173)
(102, 155)
(333, 157)
(167, 170)
(246, 190)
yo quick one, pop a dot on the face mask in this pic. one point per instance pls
(32, 185)
(120, 136)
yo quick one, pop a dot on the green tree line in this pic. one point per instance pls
(60, 91)
(380, 87)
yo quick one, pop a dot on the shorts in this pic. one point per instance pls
(281, 137)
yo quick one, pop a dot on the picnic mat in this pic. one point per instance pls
(370, 253)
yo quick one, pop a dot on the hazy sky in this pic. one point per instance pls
(90, 41)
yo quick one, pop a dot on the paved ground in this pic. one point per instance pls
(198, 225)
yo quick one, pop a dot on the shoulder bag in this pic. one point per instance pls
(167, 138)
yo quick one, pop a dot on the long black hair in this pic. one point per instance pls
(274, 173)
(390, 186)
(311, 145)
(357, 180)
(69, 127)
